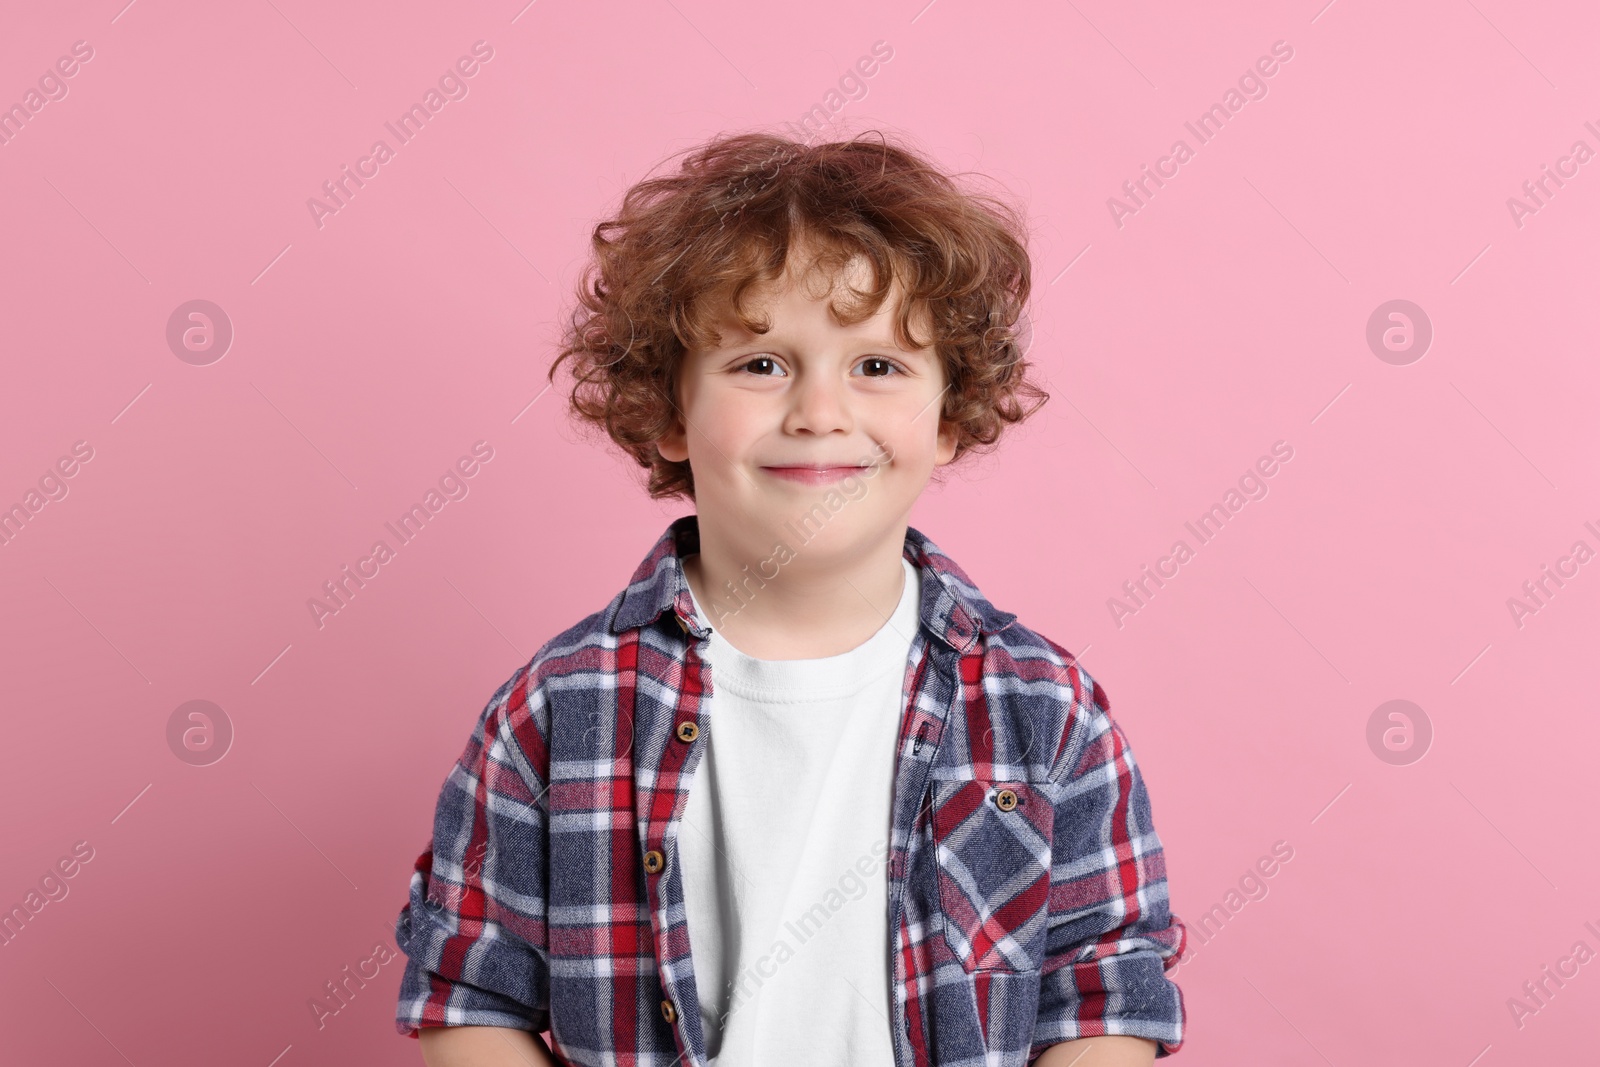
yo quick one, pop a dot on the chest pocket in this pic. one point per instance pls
(992, 857)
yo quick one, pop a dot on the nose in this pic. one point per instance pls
(819, 404)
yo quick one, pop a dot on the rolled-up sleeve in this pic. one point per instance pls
(1111, 938)
(473, 929)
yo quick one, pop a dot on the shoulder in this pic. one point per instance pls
(583, 655)
(1020, 654)
(1065, 702)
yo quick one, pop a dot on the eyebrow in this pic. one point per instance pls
(741, 338)
(888, 344)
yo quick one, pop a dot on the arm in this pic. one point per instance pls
(474, 927)
(1111, 937)
(1114, 1051)
(482, 1046)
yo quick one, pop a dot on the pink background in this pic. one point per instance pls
(1227, 314)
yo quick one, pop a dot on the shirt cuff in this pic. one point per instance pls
(1125, 994)
(491, 979)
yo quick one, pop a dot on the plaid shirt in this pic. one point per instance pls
(1027, 885)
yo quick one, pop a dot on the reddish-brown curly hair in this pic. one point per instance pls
(687, 247)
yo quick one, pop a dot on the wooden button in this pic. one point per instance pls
(653, 861)
(667, 1011)
(1005, 800)
(688, 731)
(683, 624)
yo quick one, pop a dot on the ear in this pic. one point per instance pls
(945, 446)
(674, 444)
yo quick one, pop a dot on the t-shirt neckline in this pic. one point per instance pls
(827, 677)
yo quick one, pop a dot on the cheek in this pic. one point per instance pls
(727, 429)
(909, 447)
(919, 434)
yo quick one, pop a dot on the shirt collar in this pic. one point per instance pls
(952, 608)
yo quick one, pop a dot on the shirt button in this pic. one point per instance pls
(667, 1011)
(688, 731)
(683, 624)
(653, 861)
(1005, 800)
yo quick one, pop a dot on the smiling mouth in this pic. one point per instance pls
(813, 475)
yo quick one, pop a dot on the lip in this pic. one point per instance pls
(813, 475)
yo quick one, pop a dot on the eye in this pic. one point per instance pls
(888, 363)
(761, 359)
(767, 367)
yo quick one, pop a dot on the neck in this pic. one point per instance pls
(804, 601)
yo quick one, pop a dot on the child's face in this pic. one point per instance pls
(809, 393)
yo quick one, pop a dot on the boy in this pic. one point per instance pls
(896, 827)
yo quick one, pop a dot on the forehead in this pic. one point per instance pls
(806, 278)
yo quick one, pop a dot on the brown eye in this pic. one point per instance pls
(759, 359)
(893, 367)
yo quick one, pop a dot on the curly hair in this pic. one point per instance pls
(686, 247)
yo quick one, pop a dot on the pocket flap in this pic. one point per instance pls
(992, 851)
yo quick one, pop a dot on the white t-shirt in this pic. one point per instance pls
(784, 850)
